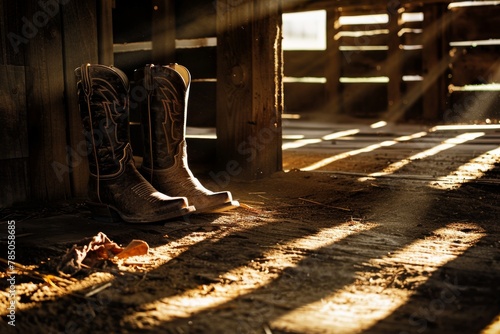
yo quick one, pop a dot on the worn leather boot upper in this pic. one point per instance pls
(114, 180)
(163, 116)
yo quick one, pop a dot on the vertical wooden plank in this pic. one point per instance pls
(14, 136)
(249, 87)
(163, 28)
(14, 181)
(80, 47)
(196, 18)
(14, 151)
(105, 31)
(394, 72)
(17, 32)
(333, 65)
(45, 105)
(435, 60)
(3, 38)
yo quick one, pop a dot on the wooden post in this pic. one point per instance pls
(394, 58)
(435, 59)
(45, 105)
(80, 45)
(163, 31)
(105, 31)
(334, 63)
(249, 88)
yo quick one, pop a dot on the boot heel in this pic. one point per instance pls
(104, 213)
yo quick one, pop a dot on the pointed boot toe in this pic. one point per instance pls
(116, 189)
(163, 116)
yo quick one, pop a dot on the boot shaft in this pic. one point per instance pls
(104, 108)
(163, 113)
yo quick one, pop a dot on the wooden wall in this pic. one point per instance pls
(37, 87)
(193, 26)
(426, 66)
(43, 154)
(475, 60)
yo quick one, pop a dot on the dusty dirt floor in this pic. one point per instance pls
(397, 232)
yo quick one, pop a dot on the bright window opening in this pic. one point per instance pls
(412, 17)
(472, 4)
(304, 30)
(364, 19)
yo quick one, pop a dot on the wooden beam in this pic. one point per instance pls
(303, 5)
(333, 64)
(394, 71)
(163, 32)
(3, 37)
(105, 31)
(435, 60)
(80, 47)
(249, 88)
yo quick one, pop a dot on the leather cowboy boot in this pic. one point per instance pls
(163, 116)
(116, 188)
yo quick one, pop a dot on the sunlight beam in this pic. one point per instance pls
(331, 136)
(299, 143)
(473, 3)
(493, 327)
(340, 134)
(465, 127)
(197, 300)
(371, 298)
(447, 144)
(472, 170)
(378, 125)
(329, 160)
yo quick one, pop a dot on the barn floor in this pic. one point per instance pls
(395, 231)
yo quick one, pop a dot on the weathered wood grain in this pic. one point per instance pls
(46, 112)
(333, 66)
(80, 45)
(435, 59)
(305, 63)
(105, 31)
(163, 31)
(475, 23)
(475, 65)
(202, 110)
(249, 92)
(201, 62)
(13, 137)
(364, 99)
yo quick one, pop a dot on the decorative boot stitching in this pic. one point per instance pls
(87, 87)
(148, 78)
(143, 190)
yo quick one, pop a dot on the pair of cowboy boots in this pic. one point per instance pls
(164, 186)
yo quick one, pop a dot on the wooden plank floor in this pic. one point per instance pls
(381, 238)
(444, 155)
